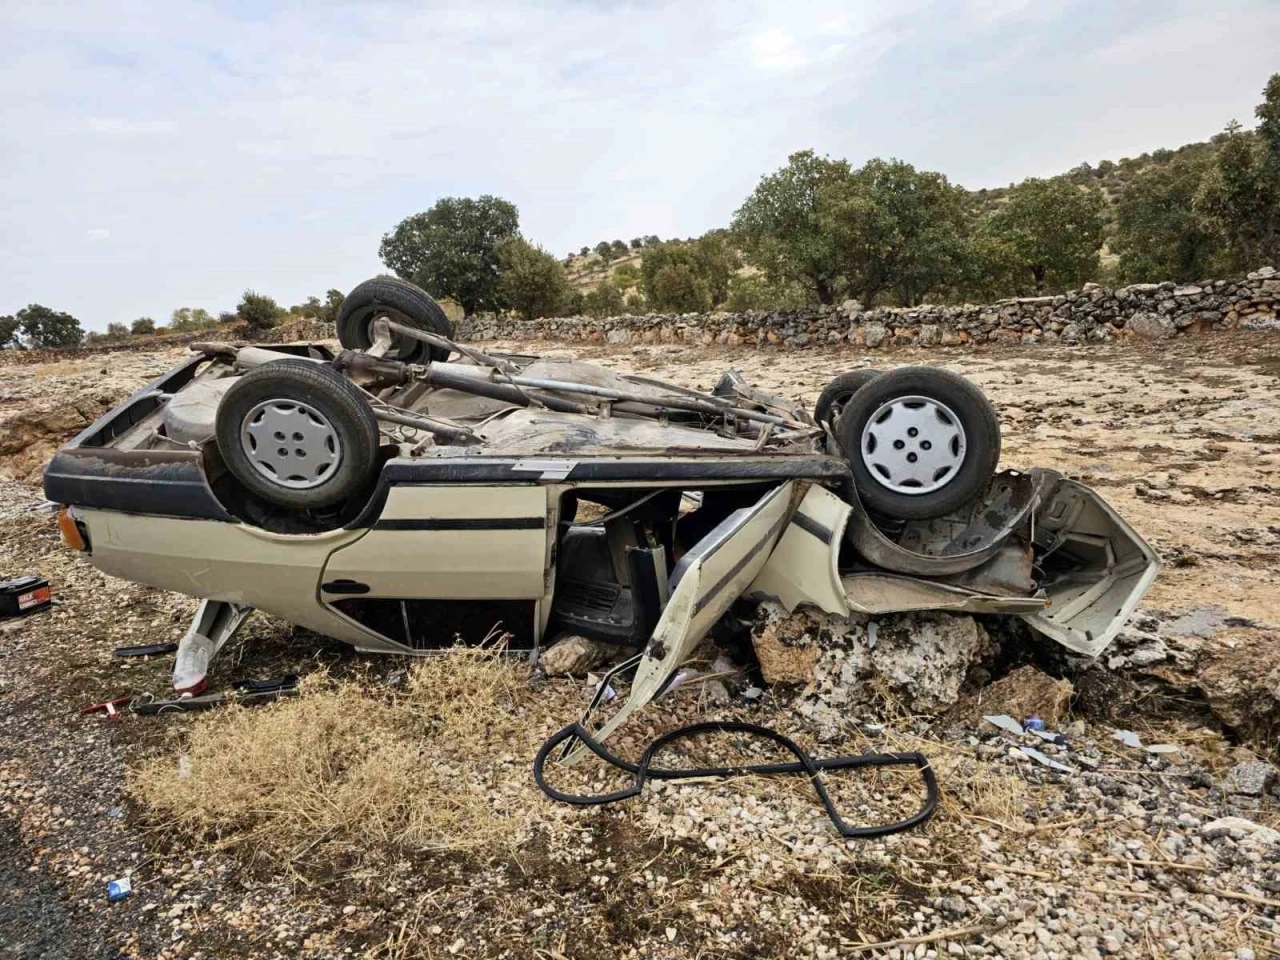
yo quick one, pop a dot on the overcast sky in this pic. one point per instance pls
(155, 155)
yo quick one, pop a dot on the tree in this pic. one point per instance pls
(626, 276)
(780, 226)
(604, 249)
(718, 261)
(604, 301)
(898, 229)
(43, 327)
(1054, 229)
(142, 327)
(258, 312)
(117, 331)
(9, 332)
(1240, 194)
(1159, 235)
(619, 247)
(451, 250)
(636, 304)
(673, 279)
(585, 251)
(533, 281)
(332, 304)
(651, 239)
(637, 243)
(188, 320)
(753, 292)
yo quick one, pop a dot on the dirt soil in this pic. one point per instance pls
(1125, 856)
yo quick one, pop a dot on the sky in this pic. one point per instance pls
(157, 155)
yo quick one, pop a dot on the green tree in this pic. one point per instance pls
(754, 292)
(43, 327)
(673, 279)
(451, 250)
(533, 281)
(604, 250)
(117, 331)
(189, 320)
(1054, 229)
(781, 225)
(897, 229)
(636, 304)
(585, 251)
(332, 304)
(637, 243)
(619, 248)
(258, 312)
(1240, 194)
(1159, 235)
(604, 301)
(626, 276)
(143, 326)
(717, 261)
(9, 332)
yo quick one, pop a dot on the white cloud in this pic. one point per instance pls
(272, 149)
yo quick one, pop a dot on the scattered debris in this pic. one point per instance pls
(120, 889)
(1005, 723)
(567, 739)
(145, 650)
(23, 596)
(1131, 739)
(1045, 760)
(111, 708)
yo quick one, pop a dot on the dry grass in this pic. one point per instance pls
(342, 770)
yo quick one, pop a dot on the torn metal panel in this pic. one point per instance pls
(1094, 567)
(804, 566)
(873, 592)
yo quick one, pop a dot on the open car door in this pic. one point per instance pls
(706, 581)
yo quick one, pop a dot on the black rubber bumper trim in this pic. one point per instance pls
(809, 525)
(464, 523)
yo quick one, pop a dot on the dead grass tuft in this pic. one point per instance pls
(344, 770)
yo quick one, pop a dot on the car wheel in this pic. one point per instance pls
(401, 301)
(298, 434)
(921, 442)
(837, 394)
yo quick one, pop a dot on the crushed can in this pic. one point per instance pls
(24, 595)
(118, 890)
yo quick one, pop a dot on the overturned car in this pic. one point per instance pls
(411, 490)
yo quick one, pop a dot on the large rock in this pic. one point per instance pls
(874, 334)
(1153, 326)
(1020, 694)
(573, 656)
(918, 659)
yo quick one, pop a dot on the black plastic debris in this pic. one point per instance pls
(24, 595)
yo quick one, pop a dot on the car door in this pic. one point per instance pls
(442, 561)
(706, 581)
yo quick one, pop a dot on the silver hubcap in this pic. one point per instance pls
(290, 443)
(913, 445)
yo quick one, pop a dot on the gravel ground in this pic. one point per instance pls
(1126, 855)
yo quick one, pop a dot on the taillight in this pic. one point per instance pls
(74, 535)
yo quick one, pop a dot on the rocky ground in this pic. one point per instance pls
(1124, 853)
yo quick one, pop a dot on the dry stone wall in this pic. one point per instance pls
(1093, 314)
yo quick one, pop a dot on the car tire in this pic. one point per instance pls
(298, 434)
(920, 442)
(403, 302)
(837, 394)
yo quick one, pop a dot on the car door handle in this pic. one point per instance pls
(344, 586)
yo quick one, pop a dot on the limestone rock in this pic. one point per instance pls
(573, 655)
(1252, 778)
(874, 334)
(1151, 325)
(920, 659)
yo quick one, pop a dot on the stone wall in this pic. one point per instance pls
(1093, 314)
